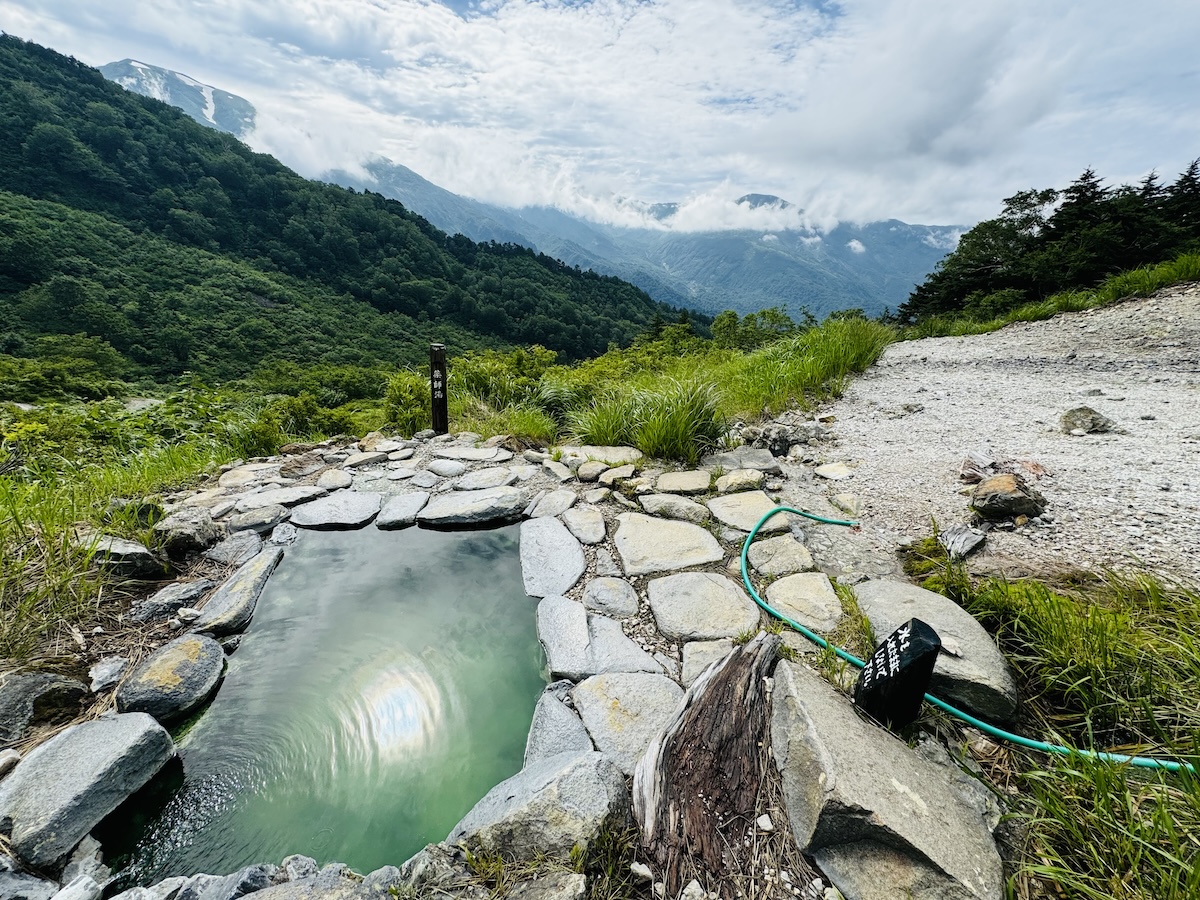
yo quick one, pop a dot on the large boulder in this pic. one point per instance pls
(175, 679)
(231, 606)
(860, 799)
(648, 545)
(551, 558)
(34, 698)
(547, 808)
(970, 671)
(624, 710)
(700, 606)
(473, 509)
(63, 788)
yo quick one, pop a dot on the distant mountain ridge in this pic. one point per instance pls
(206, 104)
(873, 266)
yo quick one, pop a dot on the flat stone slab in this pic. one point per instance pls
(611, 597)
(288, 496)
(474, 454)
(807, 598)
(366, 458)
(783, 555)
(696, 481)
(558, 470)
(496, 476)
(401, 510)
(230, 607)
(670, 506)
(127, 558)
(164, 603)
(847, 782)
(240, 547)
(466, 509)
(740, 480)
(970, 671)
(249, 474)
(31, 698)
(700, 606)
(554, 503)
(259, 520)
(614, 456)
(743, 458)
(446, 468)
(835, 471)
(610, 477)
(623, 711)
(62, 789)
(341, 509)
(586, 523)
(548, 807)
(612, 650)
(591, 470)
(578, 645)
(699, 655)
(551, 559)
(555, 729)
(335, 479)
(174, 680)
(743, 510)
(648, 545)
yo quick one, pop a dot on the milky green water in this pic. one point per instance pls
(386, 683)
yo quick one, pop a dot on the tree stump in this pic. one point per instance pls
(698, 781)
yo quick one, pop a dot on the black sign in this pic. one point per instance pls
(437, 388)
(894, 681)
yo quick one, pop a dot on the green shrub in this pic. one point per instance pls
(407, 403)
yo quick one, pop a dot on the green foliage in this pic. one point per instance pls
(755, 329)
(407, 402)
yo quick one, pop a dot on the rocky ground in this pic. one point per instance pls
(1124, 498)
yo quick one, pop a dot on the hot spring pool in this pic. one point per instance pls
(386, 683)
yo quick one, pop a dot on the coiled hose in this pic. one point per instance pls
(1144, 762)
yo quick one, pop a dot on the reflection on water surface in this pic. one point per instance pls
(386, 683)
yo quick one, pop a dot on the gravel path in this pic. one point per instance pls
(1114, 499)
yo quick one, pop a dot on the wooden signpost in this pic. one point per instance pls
(437, 388)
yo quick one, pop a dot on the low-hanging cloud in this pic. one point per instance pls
(862, 110)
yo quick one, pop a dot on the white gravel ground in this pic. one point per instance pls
(1116, 500)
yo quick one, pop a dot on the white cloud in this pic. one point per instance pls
(770, 238)
(867, 109)
(856, 246)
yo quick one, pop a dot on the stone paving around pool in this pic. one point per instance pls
(637, 569)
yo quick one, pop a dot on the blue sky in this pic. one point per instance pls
(929, 111)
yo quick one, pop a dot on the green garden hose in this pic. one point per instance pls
(1144, 762)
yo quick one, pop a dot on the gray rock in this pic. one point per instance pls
(548, 808)
(1086, 420)
(649, 545)
(401, 454)
(554, 503)
(497, 476)
(82, 887)
(586, 523)
(29, 699)
(611, 597)
(63, 788)
(339, 510)
(367, 458)
(258, 520)
(175, 679)
(249, 474)
(229, 609)
(606, 564)
(107, 672)
(960, 540)
(16, 885)
(1006, 496)
(87, 859)
(127, 559)
(446, 468)
(669, 506)
(551, 886)
(401, 474)
(610, 477)
(165, 602)
(807, 598)
(614, 456)
(557, 469)
(401, 510)
(474, 454)
(163, 890)
(382, 880)
(298, 866)
(743, 510)
(847, 556)
(524, 473)
(743, 458)
(439, 870)
(284, 533)
(700, 606)
(835, 471)
(472, 508)
(288, 496)
(335, 479)
(8, 761)
(596, 495)
(187, 530)
(554, 730)
(624, 710)
(551, 559)
(851, 504)
(250, 880)
(970, 671)
(696, 481)
(611, 650)
(591, 470)
(849, 786)
(578, 645)
(740, 480)
(34, 698)
(240, 547)
(783, 555)
(699, 655)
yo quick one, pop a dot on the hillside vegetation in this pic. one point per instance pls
(173, 247)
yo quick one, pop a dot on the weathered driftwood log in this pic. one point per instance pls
(694, 790)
